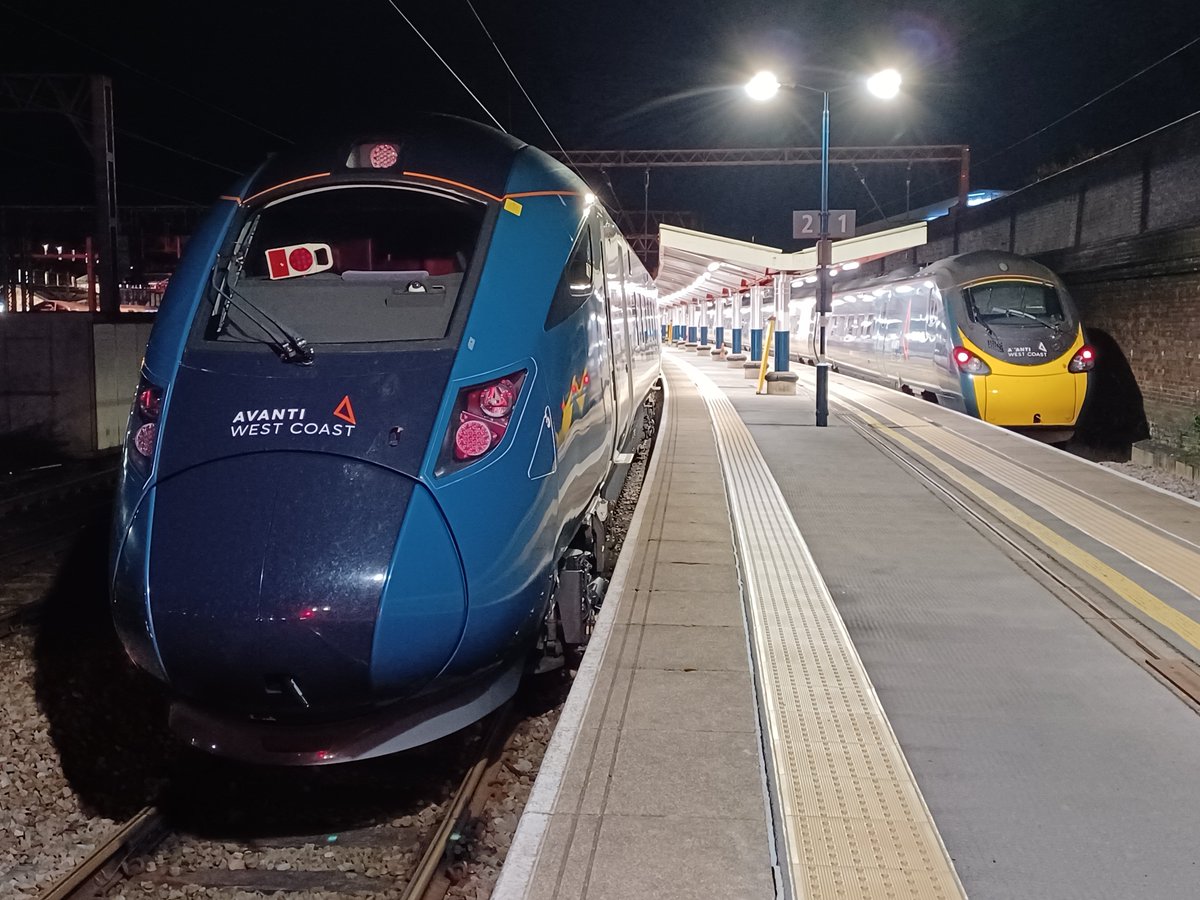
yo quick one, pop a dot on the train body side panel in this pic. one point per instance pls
(509, 511)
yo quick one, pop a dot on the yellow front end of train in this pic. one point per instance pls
(1030, 397)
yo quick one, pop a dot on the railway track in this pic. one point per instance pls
(226, 831)
(39, 527)
(303, 863)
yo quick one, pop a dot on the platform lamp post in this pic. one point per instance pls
(764, 86)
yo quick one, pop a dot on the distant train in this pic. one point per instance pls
(365, 470)
(992, 334)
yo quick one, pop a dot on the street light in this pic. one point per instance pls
(764, 86)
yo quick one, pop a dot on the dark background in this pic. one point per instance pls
(203, 91)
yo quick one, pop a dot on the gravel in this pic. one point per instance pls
(1168, 481)
(83, 746)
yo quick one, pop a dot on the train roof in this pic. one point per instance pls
(447, 147)
(981, 263)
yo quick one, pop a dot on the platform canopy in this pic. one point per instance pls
(694, 264)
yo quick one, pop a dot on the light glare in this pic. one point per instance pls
(763, 86)
(885, 84)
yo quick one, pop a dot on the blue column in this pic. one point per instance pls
(691, 334)
(781, 351)
(664, 333)
(703, 334)
(756, 341)
(737, 340)
(720, 336)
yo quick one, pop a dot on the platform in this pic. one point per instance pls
(1028, 620)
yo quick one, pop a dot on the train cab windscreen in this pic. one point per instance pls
(347, 265)
(996, 300)
(1025, 322)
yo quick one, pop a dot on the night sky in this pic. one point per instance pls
(205, 90)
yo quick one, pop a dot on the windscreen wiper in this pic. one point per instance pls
(995, 338)
(1008, 311)
(292, 348)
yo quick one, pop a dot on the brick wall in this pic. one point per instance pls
(1123, 231)
(1156, 320)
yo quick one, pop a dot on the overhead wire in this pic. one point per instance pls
(143, 74)
(120, 182)
(545, 124)
(1080, 108)
(1098, 97)
(449, 68)
(566, 156)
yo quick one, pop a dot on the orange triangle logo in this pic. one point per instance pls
(345, 411)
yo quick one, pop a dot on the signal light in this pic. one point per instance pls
(142, 434)
(374, 155)
(481, 417)
(969, 363)
(472, 439)
(383, 156)
(149, 402)
(298, 259)
(144, 439)
(1084, 360)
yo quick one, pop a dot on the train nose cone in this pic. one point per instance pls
(266, 578)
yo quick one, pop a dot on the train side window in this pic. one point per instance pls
(576, 283)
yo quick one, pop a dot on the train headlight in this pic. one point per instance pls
(970, 363)
(1084, 360)
(481, 417)
(142, 435)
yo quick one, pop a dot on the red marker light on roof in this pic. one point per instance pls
(383, 156)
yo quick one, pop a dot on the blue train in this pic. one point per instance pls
(388, 391)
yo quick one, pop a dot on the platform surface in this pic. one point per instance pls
(726, 741)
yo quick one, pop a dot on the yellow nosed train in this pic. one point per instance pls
(993, 334)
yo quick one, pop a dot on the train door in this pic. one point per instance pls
(618, 325)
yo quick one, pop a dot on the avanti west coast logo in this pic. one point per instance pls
(293, 420)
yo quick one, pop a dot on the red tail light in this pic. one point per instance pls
(481, 417)
(968, 362)
(1084, 360)
(142, 436)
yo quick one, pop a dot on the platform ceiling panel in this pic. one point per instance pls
(694, 263)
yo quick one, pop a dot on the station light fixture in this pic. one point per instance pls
(763, 86)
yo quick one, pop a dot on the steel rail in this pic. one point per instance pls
(103, 866)
(423, 883)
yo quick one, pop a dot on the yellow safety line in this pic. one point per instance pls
(1129, 590)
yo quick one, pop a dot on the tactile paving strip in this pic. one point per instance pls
(855, 824)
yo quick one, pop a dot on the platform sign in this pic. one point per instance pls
(806, 223)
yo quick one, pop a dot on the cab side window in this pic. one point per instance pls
(576, 283)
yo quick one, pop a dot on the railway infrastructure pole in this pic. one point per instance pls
(824, 257)
(764, 86)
